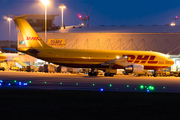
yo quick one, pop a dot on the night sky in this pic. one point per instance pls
(104, 12)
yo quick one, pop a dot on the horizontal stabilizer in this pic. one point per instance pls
(11, 49)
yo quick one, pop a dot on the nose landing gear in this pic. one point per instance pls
(155, 73)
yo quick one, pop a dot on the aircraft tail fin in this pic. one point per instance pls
(32, 39)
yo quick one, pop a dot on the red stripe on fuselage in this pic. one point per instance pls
(152, 62)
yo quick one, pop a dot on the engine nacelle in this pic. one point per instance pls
(135, 68)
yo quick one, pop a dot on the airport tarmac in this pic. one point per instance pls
(63, 81)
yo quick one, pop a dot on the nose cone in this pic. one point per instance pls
(170, 62)
(5, 57)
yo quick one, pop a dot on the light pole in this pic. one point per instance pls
(9, 19)
(45, 2)
(62, 7)
(176, 18)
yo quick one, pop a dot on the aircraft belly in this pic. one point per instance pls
(2, 58)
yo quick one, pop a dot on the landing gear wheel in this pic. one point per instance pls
(111, 75)
(92, 74)
(108, 75)
(155, 74)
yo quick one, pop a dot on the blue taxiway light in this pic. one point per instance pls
(101, 90)
(25, 84)
(20, 83)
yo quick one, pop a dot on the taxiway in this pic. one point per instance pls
(59, 81)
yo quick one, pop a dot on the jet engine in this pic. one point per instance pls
(135, 68)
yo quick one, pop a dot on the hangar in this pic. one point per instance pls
(160, 38)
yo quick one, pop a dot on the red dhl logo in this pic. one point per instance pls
(141, 59)
(32, 38)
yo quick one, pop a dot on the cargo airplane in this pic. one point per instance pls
(106, 60)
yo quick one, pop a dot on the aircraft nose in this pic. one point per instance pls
(5, 56)
(172, 62)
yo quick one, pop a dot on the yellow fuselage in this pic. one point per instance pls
(94, 58)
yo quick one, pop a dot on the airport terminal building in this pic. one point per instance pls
(160, 38)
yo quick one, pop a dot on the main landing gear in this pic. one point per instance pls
(109, 74)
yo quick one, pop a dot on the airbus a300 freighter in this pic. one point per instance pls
(106, 60)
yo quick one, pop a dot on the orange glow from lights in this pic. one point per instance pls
(45, 2)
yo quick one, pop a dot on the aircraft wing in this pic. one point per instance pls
(119, 61)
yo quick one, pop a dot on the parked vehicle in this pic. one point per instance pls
(2, 68)
(73, 70)
(23, 69)
(41, 68)
(175, 73)
(119, 71)
(165, 72)
(30, 68)
(49, 68)
(15, 68)
(64, 69)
